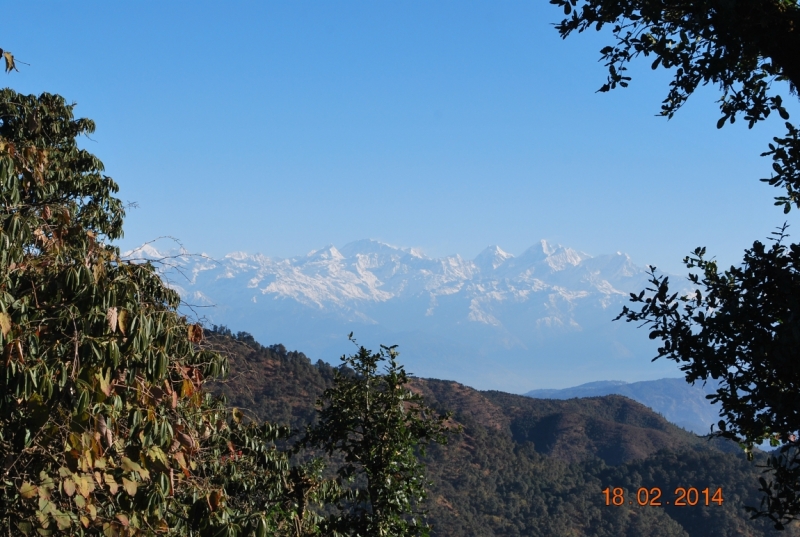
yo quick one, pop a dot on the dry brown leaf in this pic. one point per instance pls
(195, 333)
(28, 490)
(130, 486)
(122, 322)
(41, 237)
(98, 270)
(5, 323)
(9, 58)
(113, 486)
(101, 425)
(111, 317)
(69, 487)
(105, 387)
(214, 499)
(85, 485)
(187, 388)
(187, 441)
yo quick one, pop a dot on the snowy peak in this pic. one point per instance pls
(550, 279)
(563, 258)
(491, 258)
(371, 247)
(329, 253)
(144, 252)
(544, 258)
(237, 256)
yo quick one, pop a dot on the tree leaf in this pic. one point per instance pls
(122, 321)
(69, 487)
(63, 520)
(85, 485)
(28, 490)
(113, 486)
(5, 323)
(130, 466)
(195, 333)
(10, 65)
(105, 387)
(130, 486)
(111, 317)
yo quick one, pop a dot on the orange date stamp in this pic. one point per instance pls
(683, 497)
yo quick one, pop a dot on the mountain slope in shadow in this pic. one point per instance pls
(523, 466)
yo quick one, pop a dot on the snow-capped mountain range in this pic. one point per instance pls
(540, 319)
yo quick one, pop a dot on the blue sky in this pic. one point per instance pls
(280, 127)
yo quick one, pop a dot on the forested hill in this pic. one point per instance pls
(527, 466)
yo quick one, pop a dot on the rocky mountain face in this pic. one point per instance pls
(540, 319)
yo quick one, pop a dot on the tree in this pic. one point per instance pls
(380, 427)
(744, 46)
(741, 326)
(104, 424)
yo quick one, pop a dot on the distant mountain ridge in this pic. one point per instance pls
(542, 318)
(680, 403)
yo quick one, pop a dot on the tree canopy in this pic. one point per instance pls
(742, 325)
(380, 427)
(742, 328)
(106, 425)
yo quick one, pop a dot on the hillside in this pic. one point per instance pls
(526, 466)
(679, 402)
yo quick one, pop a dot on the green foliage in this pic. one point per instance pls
(105, 427)
(743, 326)
(785, 153)
(740, 45)
(379, 425)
